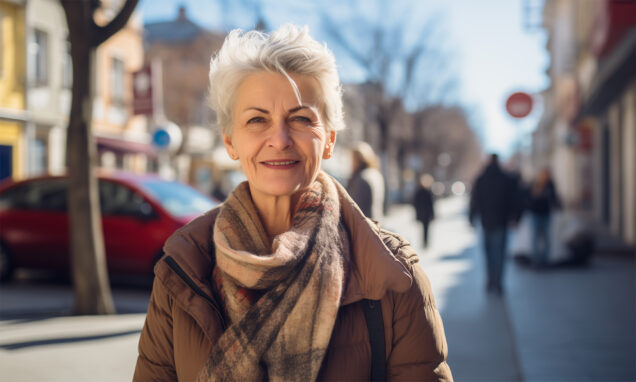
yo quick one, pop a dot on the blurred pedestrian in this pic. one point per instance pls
(493, 198)
(542, 200)
(286, 280)
(218, 194)
(366, 185)
(423, 204)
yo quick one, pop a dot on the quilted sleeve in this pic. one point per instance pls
(156, 358)
(419, 348)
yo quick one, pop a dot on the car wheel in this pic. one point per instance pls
(6, 264)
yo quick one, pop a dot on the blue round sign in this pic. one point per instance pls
(161, 138)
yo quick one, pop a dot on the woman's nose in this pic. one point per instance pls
(280, 138)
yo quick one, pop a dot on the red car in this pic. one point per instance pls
(138, 215)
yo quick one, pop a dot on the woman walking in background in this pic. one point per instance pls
(542, 199)
(366, 185)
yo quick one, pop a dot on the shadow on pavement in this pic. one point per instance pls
(33, 297)
(574, 323)
(458, 256)
(43, 277)
(25, 316)
(65, 340)
(480, 335)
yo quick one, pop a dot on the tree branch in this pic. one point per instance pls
(334, 31)
(103, 33)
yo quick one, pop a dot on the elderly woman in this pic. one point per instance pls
(283, 281)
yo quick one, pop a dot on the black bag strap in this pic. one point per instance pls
(375, 325)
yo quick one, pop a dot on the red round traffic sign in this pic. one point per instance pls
(519, 104)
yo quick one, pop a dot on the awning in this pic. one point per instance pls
(615, 73)
(125, 147)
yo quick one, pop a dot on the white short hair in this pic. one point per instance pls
(288, 51)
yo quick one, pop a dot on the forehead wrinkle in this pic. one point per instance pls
(290, 111)
(264, 111)
(302, 107)
(307, 92)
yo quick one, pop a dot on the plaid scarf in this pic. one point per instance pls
(283, 304)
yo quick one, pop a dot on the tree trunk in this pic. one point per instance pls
(90, 275)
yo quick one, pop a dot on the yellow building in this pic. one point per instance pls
(12, 88)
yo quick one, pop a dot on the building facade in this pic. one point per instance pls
(13, 116)
(49, 80)
(122, 139)
(588, 131)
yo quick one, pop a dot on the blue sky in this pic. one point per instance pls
(492, 52)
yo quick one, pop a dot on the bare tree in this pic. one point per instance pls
(446, 130)
(396, 49)
(90, 276)
(396, 55)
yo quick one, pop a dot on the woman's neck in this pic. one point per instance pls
(275, 213)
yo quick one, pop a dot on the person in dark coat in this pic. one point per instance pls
(493, 200)
(542, 199)
(423, 204)
(366, 185)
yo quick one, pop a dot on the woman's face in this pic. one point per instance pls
(279, 142)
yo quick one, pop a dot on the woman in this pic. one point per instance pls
(366, 185)
(542, 200)
(271, 284)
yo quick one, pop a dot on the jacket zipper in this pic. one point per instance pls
(188, 280)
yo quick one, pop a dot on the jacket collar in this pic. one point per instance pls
(374, 267)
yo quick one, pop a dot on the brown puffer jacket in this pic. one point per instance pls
(185, 317)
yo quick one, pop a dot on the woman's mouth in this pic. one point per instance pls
(280, 164)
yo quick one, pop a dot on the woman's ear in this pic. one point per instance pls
(331, 141)
(229, 147)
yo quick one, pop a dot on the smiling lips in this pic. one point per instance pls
(280, 164)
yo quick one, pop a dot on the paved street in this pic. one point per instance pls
(39, 341)
(561, 325)
(555, 325)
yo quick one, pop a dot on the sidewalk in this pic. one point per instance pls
(558, 325)
(40, 341)
(481, 340)
(555, 325)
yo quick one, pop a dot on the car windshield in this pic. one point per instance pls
(179, 199)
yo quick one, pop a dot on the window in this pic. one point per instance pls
(39, 50)
(178, 199)
(117, 81)
(51, 195)
(117, 199)
(37, 156)
(67, 74)
(46, 194)
(13, 197)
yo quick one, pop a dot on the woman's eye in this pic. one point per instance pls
(300, 118)
(256, 120)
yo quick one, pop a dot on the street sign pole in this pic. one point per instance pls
(518, 106)
(157, 95)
